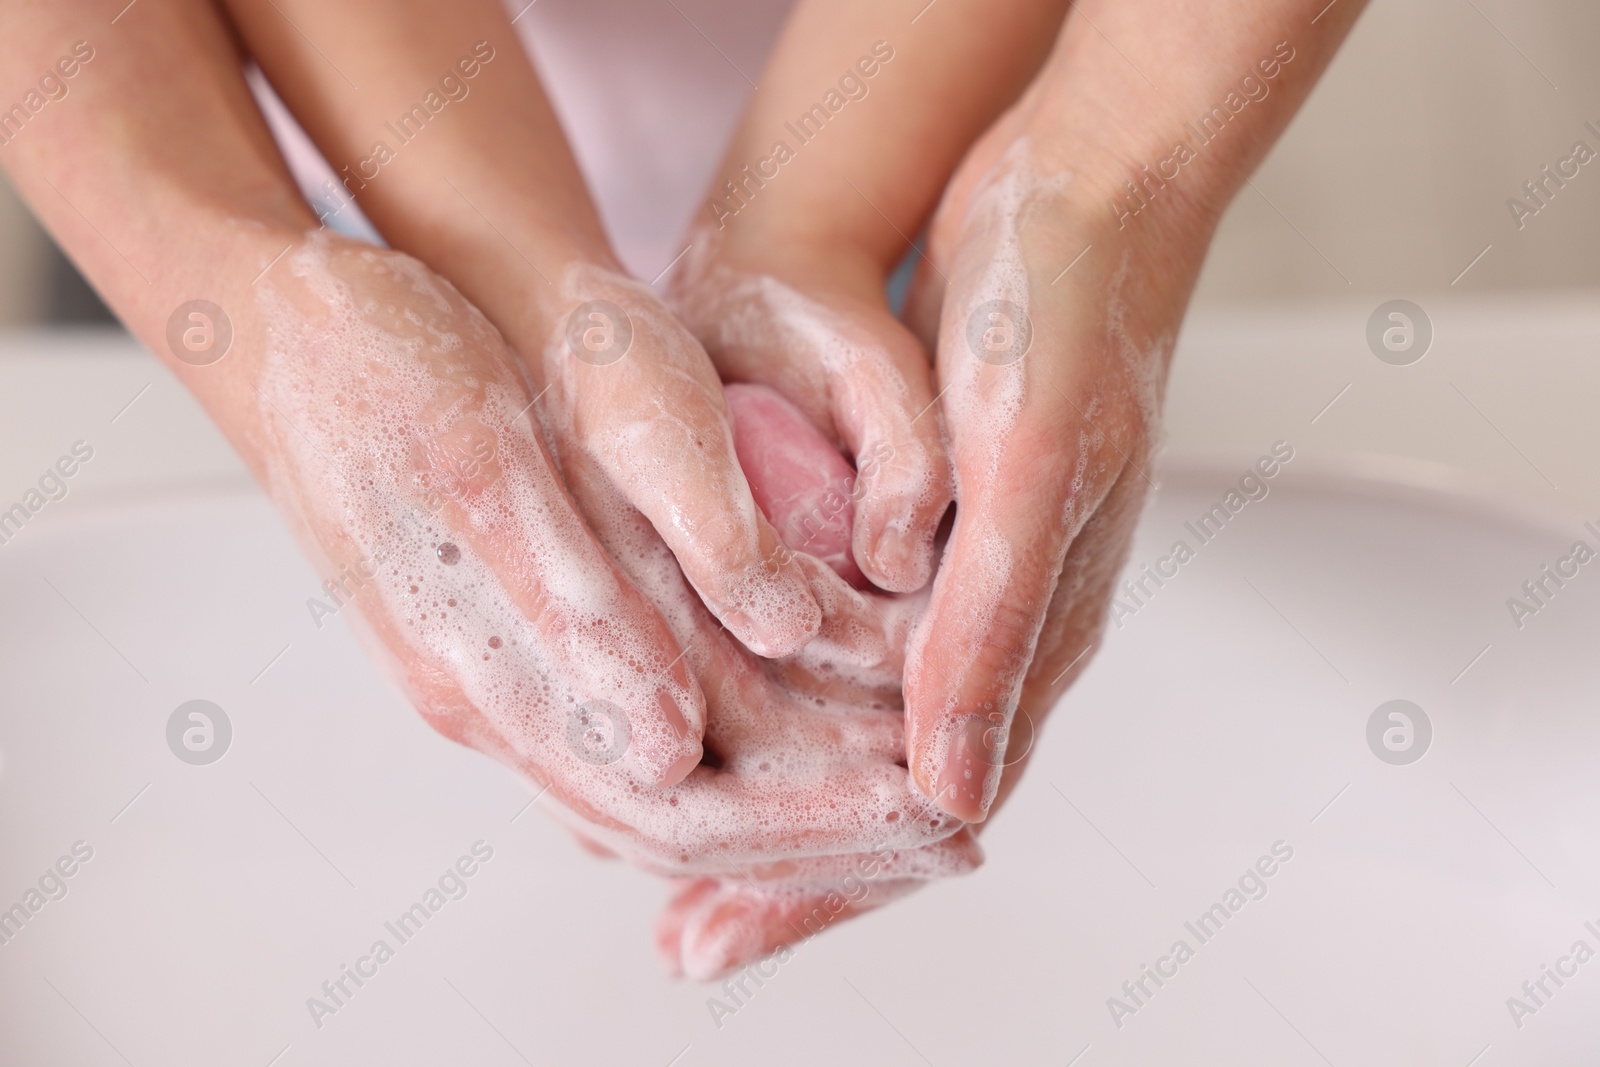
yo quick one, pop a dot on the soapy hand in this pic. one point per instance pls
(1005, 134)
(1052, 393)
(631, 390)
(1060, 262)
(855, 372)
(492, 199)
(397, 438)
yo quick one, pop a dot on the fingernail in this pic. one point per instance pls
(682, 768)
(902, 565)
(971, 773)
(889, 551)
(683, 718)
(779, 615)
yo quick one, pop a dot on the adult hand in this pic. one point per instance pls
(1061, 261)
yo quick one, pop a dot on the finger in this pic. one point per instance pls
(968, 658)
(669, 927)
(785, 774)
(860, 376)
(1032, 465)
(858, 657)
(713, 822)
(758, 725)
(737, 921)
(797, 779)
(804, 486)
(882, 402)
(956, 855)
(735, 926)
(792, 779)
(784, 777)
(1075, 620)
(638, 394)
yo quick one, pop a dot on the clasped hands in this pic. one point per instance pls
(732, 631)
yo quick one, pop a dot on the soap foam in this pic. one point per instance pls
(638, 431)
(833, 368)
(377, 378)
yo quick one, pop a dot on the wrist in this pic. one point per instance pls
(515, 271)
(800, 257)
(1172, 124)
(1142, 183)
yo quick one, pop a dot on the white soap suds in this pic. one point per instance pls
(841, 375)
(396, 420)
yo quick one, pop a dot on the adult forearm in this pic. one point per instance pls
(149, 163)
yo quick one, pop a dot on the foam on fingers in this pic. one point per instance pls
(398, 440)
(857, 374)
(395, 414)
(648, 408)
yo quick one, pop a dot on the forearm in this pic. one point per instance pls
(861, 117)
(449, 146)
(156, 175)
(153, 169)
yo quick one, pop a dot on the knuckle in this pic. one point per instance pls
(1007, 639)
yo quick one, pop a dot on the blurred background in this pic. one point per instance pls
(1390, 182)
